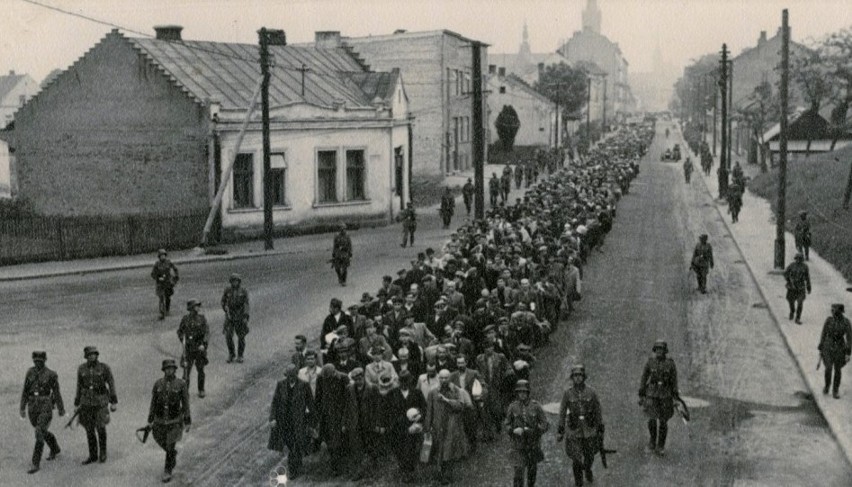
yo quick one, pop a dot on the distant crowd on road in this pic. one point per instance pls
(440, 358)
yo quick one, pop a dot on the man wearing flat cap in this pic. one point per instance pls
(95, 390)
(168, 414)
(194, 334)
(39, 397)
(165, 275)
(835, 347)
(235, 303)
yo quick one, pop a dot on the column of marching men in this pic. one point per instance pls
(439, 358)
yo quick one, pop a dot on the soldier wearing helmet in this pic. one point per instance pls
(165, 275)
(235, 303)
(341, 254)
(40, 396)
(526, 422)
(657, 393)
(581, 424)
(168, 414)
(702, 262)
(798, 279)
(95, 389)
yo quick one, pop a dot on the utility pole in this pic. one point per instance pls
(715, 110)
(478, 134)
(277, 38)
(589, 111)
(603, 118)
(730, 110)
(782, 143)
(723, 87)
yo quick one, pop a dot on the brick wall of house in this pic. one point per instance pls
(112, 135)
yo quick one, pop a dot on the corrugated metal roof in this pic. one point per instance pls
(228, 72)
(377, 85)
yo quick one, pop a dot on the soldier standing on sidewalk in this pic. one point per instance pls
(40, 395)
(467, 195)
(802, 233)
(95, 390)
(798, 279)
(235, 302)
(448, 207)
(168, 415)
(657, 392)
(194, 334)
(702, 262)
(409, 225)
(835, 347)
(526, 422)
(580, 414)
(341, 254)
(165, 274)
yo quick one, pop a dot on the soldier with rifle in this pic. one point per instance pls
(657, 393)
(165, 275)
(235, 303)
(168, 415)
(194, 334)
(526, 422)
(581, 419)
(40, 396)
(95, 390)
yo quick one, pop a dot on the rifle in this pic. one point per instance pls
(680, 405)
(145, 430)
(70, 422)
(602, 449)
(819, 360)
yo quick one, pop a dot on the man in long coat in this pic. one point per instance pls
(354, 421)
(657, 393)
(445, 409)
(39, 397)
(580, 417)
(168, 414)
(835, 346)
(330, 406)
(492, 367)
(448, 207)
(290, 417)
(410, 426)
(526, 422)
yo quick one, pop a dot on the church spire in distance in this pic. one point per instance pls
(592, 17)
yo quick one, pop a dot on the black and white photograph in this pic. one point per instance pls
(480, 243)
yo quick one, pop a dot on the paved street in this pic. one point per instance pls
(754, 423)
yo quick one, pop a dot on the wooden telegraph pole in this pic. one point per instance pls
(782, 145)
(267, 37)
(723, 88)
(478, 134)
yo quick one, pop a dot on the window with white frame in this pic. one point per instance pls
(327, 176)
(278, 175)
(244, 181)
(356, 174)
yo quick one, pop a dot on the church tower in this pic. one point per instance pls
(592, 17)
(524, 51)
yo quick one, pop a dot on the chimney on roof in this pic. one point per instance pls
(762, 38)
(276, 37)
(501, 71)
(327, 38)
(399, 31)
(168, 32)
(492, 68)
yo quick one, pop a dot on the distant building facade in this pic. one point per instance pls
(142, 126)
(15, 90)
(437, 67)
(536, 112)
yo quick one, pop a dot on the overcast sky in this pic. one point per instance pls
(36, 40)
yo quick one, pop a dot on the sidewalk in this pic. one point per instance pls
(235, 251)
(754, 236)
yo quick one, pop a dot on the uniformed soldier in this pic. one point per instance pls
(168, 415)
(409, 224)
(194, 334)
(657, 393)
(526, 422)
(687, 169)
(341, 254)
(580, 417)
(95, 390)
(165, 275)
(802, 233)
(467, 194)
(448, 207)
(493, 189)
(702, 262)
(40, 396)
(798, 279)
(235, 302)
(835, 347)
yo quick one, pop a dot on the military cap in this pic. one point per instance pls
(522, 386)
(161, 252)
(40, 355)
(703, 236)
(578, 369)
(91, 349)
(838, 307)
(235, 277)
(168, 364)
(660, 344)
(356, 372)
(192, 303)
